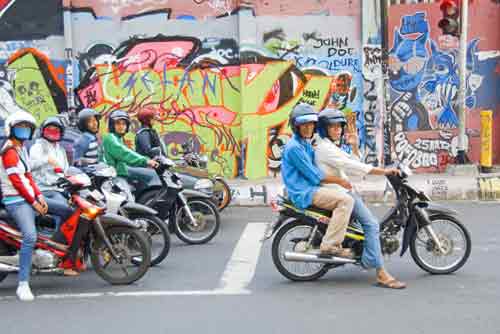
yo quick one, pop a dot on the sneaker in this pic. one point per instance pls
(24, 293)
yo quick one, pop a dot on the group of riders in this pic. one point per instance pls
(28, 180)
(314, 167)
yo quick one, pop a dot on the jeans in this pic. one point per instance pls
(372, 253)
(23, 215)
(58, 206)
(141, 174)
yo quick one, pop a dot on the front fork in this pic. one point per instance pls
(424, 217)
(187, 209)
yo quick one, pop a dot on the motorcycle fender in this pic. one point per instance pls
(111, 220)
(410, 229)
(274, 227)
(434, 209)
(131, 207)
(190, 193)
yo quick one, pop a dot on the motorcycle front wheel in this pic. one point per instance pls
(158, 236)
(206, 222)
(455, 246)
(129, 245)
(222, 193)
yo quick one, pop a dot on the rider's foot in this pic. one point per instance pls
(386, 280)
(70, 272)
(336, 251)
(24, 293)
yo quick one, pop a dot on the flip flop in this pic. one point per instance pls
(70, 272)
(391, 284)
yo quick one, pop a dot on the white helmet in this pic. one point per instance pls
(18, 118)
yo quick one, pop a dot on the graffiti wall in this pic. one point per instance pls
(424, 83)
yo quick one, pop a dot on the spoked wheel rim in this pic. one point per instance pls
(205, 221)
(453, 242)
(295, 240)
(130, 252)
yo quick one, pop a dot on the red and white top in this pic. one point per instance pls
(15, 175)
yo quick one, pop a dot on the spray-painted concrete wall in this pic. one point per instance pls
(226, 73)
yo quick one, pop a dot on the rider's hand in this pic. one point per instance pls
(52, 162)
(39, 208)
(153, 164)
(352, 139)
(346, 184)
(392, 172)
(42, 202)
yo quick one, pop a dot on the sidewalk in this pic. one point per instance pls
(447, 186)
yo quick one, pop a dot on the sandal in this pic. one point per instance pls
(391, 284)
(70, 272)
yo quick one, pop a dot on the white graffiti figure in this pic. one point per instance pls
(8, 103)
(118, 5)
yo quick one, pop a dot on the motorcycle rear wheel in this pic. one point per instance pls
(120, 238)
(286, 268)
(222, 193)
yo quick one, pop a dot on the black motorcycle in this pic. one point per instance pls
(119, 200)
(438, 242)
(190, 214)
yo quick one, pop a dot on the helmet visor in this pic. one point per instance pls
(306, 119)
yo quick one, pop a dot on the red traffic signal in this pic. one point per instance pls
(450, 24)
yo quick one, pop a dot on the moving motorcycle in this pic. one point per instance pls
(190, 214)
(439, 243)
(119, 200)
(192, 169)
(119, 251)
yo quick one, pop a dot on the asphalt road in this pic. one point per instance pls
(231, 286)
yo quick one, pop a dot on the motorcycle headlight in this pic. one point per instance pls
(204, 185)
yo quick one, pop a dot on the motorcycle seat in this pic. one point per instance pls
(313, 208)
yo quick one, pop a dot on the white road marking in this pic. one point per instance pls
(241, 267)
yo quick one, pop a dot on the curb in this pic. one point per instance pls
(439, 187)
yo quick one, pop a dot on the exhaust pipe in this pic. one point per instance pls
(313, 258)
(8, 268)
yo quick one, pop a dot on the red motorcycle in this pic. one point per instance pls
(120, 252)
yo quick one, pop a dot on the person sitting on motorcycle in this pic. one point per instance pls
(128, 163)
(21, 195)
(304, 181)
(331, 159)
(147, 140)
(86, 148)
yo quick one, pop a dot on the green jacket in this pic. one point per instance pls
(118, 155)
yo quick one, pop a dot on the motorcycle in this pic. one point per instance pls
(119, 200)
(192, 168)
(119, 251)
(439, 243)
(190, 214)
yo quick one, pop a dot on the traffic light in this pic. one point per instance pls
(450, 23)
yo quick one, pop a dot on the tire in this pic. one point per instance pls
(182, 224)
(222, 193)
(278, 260)
(457, 264)
(156, 225)
(140, 268)
(4, 251)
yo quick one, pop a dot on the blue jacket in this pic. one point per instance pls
(300, 174)
(85, 150)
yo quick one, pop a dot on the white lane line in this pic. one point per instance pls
(158, 293)
(241, 267)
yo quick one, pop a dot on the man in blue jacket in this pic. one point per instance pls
(304, 181)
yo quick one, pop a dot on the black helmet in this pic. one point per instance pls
(302, 113)
(116, 115)
(330, 116)
(52, 121)
(83, 117)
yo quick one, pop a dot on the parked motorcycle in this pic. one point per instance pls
(120, 200)
(190, 214)
(439, 243)
(192, 167)
(119, 251)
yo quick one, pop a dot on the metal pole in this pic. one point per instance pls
(384, 22)
(462, 57)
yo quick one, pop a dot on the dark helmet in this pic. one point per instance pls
(116, 115)
(330, 116)
(146, 115)
(52, 121)
(302, 113)
(83, 117)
